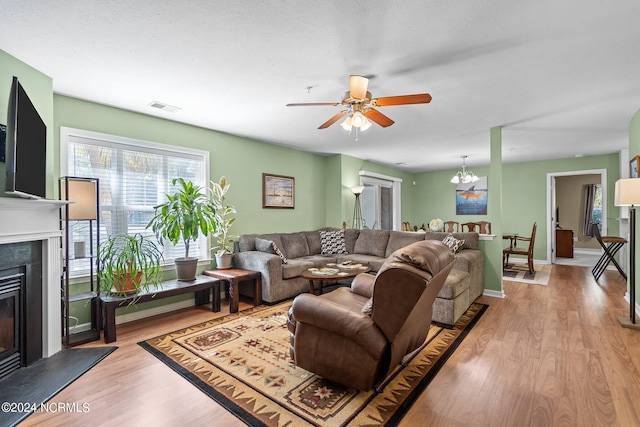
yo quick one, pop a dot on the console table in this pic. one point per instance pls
(200, 286)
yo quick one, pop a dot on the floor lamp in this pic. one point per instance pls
(628, 194)
(357, 208)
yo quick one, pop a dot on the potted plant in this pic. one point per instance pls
(224, 248)
(128, 263)
(184, 216)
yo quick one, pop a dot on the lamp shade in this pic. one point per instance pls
(358, 189)
(83, 194)
(627, 192)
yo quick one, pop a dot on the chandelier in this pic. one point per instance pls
(464, 176)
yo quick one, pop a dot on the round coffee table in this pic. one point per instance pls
(332, 272)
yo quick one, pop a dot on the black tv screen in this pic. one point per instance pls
(26, 143)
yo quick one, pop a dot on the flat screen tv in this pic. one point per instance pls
(26, 143)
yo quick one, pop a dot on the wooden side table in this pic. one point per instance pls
(233, 276)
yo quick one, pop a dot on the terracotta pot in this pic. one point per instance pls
(127, 284)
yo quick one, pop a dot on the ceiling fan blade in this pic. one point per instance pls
(421, 98)
(378, 117)
(333, 119)
(358, 87)
(313, 104)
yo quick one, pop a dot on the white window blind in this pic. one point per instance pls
(134, 177)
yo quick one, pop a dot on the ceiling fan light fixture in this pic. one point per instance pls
(366, 126)
(346, 124)
(358, 119)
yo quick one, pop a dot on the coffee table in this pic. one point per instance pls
(332, 272)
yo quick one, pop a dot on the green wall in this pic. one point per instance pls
(634, 150)
(39, 87)
(322, 183)
(241, 160)
(524, 193)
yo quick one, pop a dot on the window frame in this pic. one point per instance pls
(67, 136)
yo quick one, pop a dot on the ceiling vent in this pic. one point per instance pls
(164, 107)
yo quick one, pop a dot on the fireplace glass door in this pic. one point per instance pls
(9, 325)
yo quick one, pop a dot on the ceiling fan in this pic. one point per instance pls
(360, 106)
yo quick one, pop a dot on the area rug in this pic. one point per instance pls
(519, 272)
(242, 361)
(29, 388)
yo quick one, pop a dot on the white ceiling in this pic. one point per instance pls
(561, 77)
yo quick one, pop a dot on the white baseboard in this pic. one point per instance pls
(162, 309)
(493, 294)
(627, 298)
(141, 314)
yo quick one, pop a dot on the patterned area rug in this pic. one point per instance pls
(242, 361)
(520, 273)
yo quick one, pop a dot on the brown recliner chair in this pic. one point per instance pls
(333, 335)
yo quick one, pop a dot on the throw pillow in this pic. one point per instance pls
(454, 244)
(270, 247)
(333, 242)
(368, 307)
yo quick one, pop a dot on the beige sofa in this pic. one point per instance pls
(302, 250)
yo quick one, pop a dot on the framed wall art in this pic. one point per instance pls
(633, 167)
(471, 199)
(278, 191)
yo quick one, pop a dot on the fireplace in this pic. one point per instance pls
(10, 335)
(20, 305)
(30, 272)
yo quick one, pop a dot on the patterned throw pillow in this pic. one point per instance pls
(454, 244)
(368, 307)
(333, 242)
(269, 247)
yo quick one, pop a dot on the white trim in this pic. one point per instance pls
(627, 298)
(380, 176)
(551, 204)
(66, 133)
(396, 191)
(493, 294)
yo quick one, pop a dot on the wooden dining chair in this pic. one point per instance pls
(471, 226)
(526, 251)
(485, 227)
(448, 226)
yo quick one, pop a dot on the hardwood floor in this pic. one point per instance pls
(543, 356)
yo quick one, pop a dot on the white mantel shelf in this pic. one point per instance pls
(24, 220)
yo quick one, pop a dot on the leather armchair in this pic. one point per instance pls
(336, 336)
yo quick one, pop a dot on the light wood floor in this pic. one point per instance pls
(543, 356)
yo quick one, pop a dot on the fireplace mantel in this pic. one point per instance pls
(23, 220)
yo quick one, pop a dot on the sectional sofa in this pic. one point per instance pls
(282, 257)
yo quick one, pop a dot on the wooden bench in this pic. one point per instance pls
(169, 288)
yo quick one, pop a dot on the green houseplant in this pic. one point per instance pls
(224, 247)
(184, 216)
(128, 263)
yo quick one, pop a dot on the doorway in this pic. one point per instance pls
(568, 241)
(380, 201)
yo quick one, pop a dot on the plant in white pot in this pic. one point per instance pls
(184, 216)
(224, 247)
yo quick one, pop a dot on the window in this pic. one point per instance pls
(134, 177)
(596, 211)
(380, 201)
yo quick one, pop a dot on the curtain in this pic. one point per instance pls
(589, 196)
